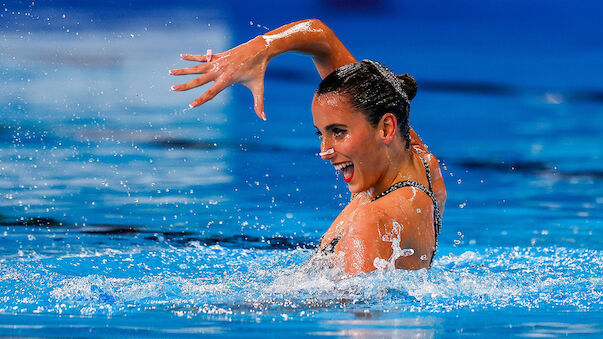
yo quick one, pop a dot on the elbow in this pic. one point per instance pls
(317, 24)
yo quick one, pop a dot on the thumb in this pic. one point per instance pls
(257, 89)
(258, 103)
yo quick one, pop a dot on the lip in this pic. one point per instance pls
(348, 179)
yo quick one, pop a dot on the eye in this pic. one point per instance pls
(319, 134)
(337, 132)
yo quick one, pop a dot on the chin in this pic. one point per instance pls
(353, 190)
(356, 188)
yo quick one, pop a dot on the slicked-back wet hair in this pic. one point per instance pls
(374, 90)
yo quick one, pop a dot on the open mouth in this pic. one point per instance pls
(347, 168)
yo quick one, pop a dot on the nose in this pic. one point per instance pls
(326, 150)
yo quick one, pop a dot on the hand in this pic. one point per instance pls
(244, 64)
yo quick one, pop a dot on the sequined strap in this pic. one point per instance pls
(437, 217)
(427, 172)
(429, 191)
(410, 183)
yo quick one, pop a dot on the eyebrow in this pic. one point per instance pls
(331, 126)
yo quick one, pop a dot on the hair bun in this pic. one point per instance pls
(408, 84)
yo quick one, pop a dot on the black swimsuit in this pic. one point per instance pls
(330, 247)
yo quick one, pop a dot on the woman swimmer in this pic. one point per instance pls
(361, 113)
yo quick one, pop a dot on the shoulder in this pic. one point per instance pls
(376, 220)
(399, 204)
(410, 208)
(370, 214)
(361, 243)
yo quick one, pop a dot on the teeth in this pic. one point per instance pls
(343, 165)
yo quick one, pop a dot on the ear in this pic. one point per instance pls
(388, 128)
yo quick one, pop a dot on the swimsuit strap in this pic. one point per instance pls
(427, 172)
(411, 183)
(330, 247)
(437, 217)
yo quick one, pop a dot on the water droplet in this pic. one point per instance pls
(459, 181)
(407, 252)
(424, 257)
(456, 242)
(418, 210)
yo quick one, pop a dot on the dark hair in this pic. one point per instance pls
(374, 90)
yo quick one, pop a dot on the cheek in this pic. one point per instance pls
(360, 144)
(347, 144)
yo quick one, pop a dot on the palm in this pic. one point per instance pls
(244, 64)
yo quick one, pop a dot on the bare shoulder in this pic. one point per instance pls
(413, 210)
(394, 218)
(403, 203)
(371, 214)
(361, 243)
(378, 218)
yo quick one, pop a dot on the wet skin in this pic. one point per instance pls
(367, 228)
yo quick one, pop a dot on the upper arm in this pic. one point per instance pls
(436, 174)
(361, 244)
(377, 234)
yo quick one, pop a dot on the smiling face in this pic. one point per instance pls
(358, 150)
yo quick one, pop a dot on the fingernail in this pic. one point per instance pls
(263, 116)
(173, 88)
(182, 55)
(171, 72)
(190, 106)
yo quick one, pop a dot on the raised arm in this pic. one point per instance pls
(246, 63)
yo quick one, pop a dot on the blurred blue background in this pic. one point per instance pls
(87, 113)
(101, 163)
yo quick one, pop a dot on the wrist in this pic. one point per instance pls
(265, 46)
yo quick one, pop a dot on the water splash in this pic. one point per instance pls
(397, 252)
(241, 282)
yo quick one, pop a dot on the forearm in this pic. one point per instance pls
(310, 37)
(246, 64)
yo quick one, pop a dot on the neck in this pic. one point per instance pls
(400, 165)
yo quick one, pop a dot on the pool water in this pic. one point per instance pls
(123, 214)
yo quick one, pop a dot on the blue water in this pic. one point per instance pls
(123, 214)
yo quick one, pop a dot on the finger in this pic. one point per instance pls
(200, 81)
(209, 94)
(257, 89)
(258, 102)
(199, 69)
(194, 57)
